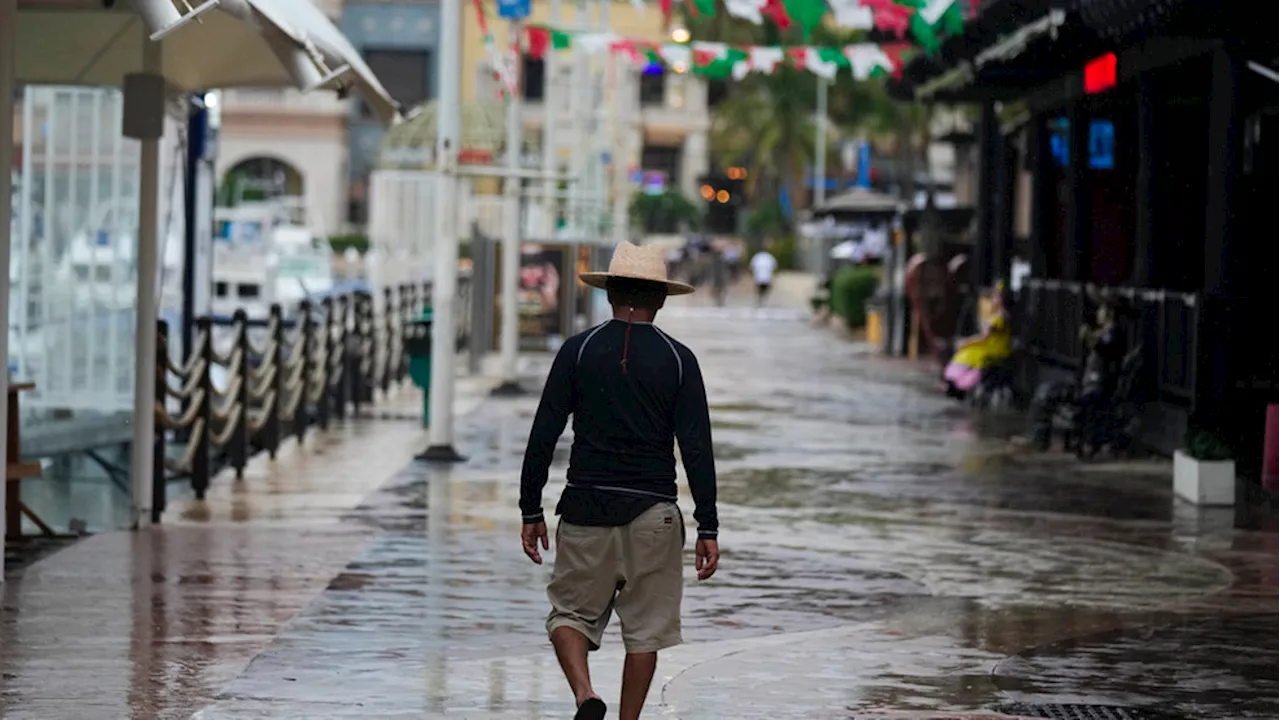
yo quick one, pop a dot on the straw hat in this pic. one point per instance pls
(634, 262)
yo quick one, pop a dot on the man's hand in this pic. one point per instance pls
(708, 556)
(530, 534)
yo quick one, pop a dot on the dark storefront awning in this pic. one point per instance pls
(1011, 48)
(1014, 47)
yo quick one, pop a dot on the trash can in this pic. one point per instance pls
(876, 321)
(417, 345)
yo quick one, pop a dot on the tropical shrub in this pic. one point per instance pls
(851, 288)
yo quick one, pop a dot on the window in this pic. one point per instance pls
(653, 88)
(248, 291)
(357, 211)
(406, 74)
(532, 77)
(717, 92)
(661, 159)
(220, 289)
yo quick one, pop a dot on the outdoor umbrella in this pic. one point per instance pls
(273, 43)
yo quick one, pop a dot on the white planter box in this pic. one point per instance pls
(1204, 483)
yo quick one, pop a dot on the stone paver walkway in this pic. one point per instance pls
(880, 556)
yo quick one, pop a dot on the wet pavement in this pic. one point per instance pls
(881, 555)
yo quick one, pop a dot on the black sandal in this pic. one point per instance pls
(591, 709)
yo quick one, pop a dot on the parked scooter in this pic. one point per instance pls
(1101, 408)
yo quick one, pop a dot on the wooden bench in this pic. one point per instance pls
(15, 471)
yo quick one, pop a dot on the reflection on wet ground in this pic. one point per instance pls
(880, 554)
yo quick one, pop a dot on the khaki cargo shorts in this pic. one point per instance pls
(634, 569)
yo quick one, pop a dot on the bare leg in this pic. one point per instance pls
(571, 650)
(637, 673)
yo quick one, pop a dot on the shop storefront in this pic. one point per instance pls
(1137, 139)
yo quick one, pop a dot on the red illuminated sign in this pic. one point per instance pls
(1100, 74)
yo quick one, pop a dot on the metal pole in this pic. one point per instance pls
(577, 109)
(510, 329)
(820, 147)
(196, 118)
(445, 280)
(622, 93)
(8, 86)
(602, 130)
(550, 76)
(144, 331)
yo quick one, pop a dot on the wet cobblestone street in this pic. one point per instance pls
(881, 555)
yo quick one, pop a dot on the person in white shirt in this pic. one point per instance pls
(763, 265)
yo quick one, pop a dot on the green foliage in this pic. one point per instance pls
(766, 220)
(1206, 446)
(784, 251)
(766, 122)
(340, 243)
(851, 288)
(664, 213)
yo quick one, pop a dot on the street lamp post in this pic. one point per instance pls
(820, 147)
(550, 104)
(509, 335)
(445, 281)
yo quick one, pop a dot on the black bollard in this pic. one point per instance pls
(200, 459)
(240, 436)
(306, 338)
(271, 428)
(158, 483)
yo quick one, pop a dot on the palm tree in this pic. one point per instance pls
(766, 126)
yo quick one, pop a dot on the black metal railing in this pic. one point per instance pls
(280, 377)
(1165, 322)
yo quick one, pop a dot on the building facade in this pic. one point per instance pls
(663, 117)
(318, 146)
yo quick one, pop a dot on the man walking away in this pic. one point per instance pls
(633, 392)
(763, 265)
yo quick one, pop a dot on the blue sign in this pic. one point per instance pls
(864, 164)
(1102, 144)
(514, 9)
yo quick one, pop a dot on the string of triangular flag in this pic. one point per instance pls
(721, 60)
(504, 71)
(928, 21)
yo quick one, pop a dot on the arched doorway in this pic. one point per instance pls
(260, 178)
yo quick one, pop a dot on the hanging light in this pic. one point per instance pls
(680, 34)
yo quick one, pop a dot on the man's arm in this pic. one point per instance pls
(693, 431)
(548, 425)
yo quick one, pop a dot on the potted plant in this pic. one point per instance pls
(1204, 472)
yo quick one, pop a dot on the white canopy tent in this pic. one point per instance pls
(274, 43)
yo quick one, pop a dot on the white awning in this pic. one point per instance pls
(235, 43)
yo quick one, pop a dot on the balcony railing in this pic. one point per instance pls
(282, 100)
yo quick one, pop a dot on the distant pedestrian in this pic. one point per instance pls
(719, 272)
(733, 260)
(763, 265)
(633, 392)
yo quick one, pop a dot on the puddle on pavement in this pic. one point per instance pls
(739, 407)
(725, 452)
(1209, 667)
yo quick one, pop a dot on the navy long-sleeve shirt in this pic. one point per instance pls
(626, 422)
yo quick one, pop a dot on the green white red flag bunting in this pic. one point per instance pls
(928, 21)
(504, 70)
(721, 60)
